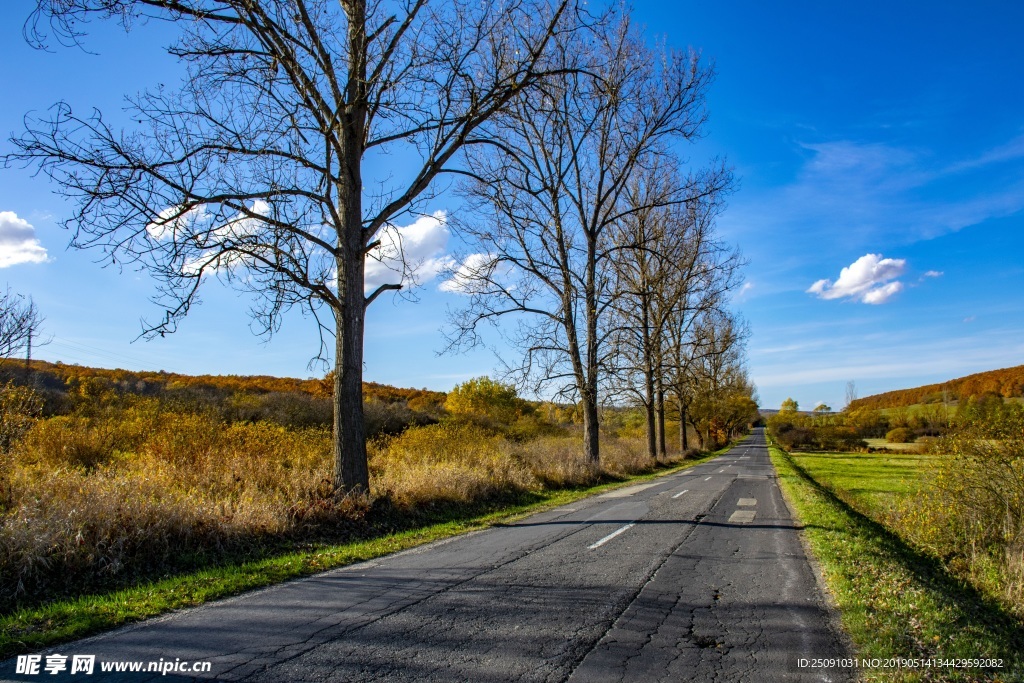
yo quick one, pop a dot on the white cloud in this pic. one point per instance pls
(242, 225)
(469, 276)
(198, 227)
(879, 295)
(172, 220)
(934, 273)
(18, 243)
(420, 246)
(867, 280)
(415, 252)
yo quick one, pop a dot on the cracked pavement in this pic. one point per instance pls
(689, 590)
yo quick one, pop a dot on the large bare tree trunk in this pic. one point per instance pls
(591, 432)
(645, 320)
(660, 414)
(682, 427)
(591, 426)
(350, 466)
(652, 432)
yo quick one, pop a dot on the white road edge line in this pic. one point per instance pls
(610, 536)
(681, 493)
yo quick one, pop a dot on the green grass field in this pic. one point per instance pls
(872, 482)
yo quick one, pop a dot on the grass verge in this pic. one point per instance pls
(62, 621)
(895, 601)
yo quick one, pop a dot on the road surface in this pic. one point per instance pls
(698, 575)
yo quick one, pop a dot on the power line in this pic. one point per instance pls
(79, 349)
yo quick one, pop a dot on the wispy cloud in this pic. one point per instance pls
(892, 357)
(18, 242)
(1011, 151)
(861, 193)
(870, 279)
(744, 290)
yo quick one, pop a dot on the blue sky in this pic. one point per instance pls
(886, 139)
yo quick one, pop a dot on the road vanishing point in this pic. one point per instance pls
(695, 576)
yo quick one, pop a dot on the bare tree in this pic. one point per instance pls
(642, 267)
(549, 192)
(253, 171)
(695, 302)
(658, 248)
(851, 393)
(19, 324)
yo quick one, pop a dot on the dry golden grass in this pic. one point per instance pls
(86, 502)
(463, 462)
(450, 461)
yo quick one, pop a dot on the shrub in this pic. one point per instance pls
(447, 461)
(483, 398)
(289, 409)
(388, 419)
(899, 435)
(972, 511)
(19, 406)
(69, 442)
(90, 502)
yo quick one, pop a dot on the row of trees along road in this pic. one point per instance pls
(252, 170)
(590, 235)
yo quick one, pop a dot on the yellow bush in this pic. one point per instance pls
(67, 441)
(448, 461)
(19, 406)
(557, 461)
(483, 398)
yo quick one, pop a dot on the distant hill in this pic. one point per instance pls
(62, 375)
(1008, 382)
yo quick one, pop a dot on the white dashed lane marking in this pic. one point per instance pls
(610, 536)
(680, 493)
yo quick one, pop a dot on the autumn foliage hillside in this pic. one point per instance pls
(153, 382)
(1008, 382)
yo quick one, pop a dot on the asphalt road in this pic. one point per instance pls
(697, 576)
